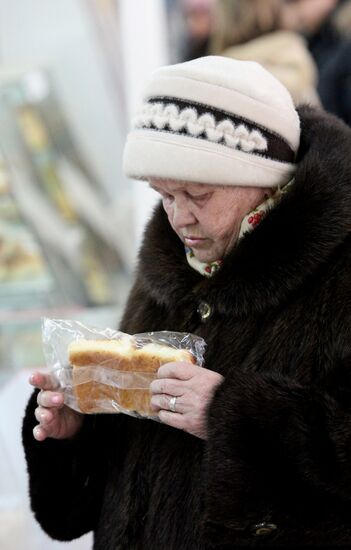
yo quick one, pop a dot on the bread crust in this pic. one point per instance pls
(121, 355)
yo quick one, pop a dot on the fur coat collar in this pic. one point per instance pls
(290, 244)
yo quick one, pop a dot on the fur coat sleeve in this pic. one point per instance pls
(66, 477)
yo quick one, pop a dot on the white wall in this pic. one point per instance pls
(60, 35)
(145, 46)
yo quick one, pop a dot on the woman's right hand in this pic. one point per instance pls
(56, 420)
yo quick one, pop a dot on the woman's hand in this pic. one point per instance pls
(55, 419)
(181, 394)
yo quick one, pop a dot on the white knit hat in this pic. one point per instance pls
(214, 120)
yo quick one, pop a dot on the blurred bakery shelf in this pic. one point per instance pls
(61, 254)
(57, 196)
(20, 334)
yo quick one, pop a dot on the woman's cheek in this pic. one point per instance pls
(168, 208)
(167, 204)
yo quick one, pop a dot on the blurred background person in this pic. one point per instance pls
(326, 24)
(251, 30)
(314, 19)
(335, 83)
(198, 19)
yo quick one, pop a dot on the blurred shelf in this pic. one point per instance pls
(21, 340)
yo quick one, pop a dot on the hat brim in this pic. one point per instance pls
(163, 155)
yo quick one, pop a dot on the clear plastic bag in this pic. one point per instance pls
(96, 380)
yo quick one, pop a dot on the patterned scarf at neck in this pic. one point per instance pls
(206, 269)
(248, 224)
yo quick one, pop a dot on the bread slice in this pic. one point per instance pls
(95, 396)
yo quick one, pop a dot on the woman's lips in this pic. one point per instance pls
(192, 242)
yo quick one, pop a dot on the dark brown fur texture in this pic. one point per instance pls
(279, 447)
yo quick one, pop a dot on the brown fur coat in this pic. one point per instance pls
(276, 468)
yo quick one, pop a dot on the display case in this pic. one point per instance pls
(25, 279)
(58, 251)
(57, 196)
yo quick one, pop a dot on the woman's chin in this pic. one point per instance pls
(204, 258)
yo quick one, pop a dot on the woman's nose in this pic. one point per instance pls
(182, 214)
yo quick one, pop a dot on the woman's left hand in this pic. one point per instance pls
(181, 395)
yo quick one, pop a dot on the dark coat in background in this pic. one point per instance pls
(276, 468)
(335, 83)
(330, 47)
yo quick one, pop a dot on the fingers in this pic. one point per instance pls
(162, 402)
(50, 399)
(49, 402)
(39, 433)
(167, 386)
(175, 420)
(46, 419)
(44, 381)
(44, 416)
(178, 370)
(183, 404)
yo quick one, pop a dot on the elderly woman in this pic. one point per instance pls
(249, 249)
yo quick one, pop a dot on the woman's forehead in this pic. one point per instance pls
(174, 185)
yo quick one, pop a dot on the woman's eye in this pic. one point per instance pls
(199, 198)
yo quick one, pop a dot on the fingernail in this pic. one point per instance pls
(31, 379)
(37, 432)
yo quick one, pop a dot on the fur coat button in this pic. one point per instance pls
(264, 528)
(204, 310)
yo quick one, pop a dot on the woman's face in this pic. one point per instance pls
(305, 15)
(207, 218)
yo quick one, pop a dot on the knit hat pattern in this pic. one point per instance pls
(214, 120)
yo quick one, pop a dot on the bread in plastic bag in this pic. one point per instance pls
(107, 371)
